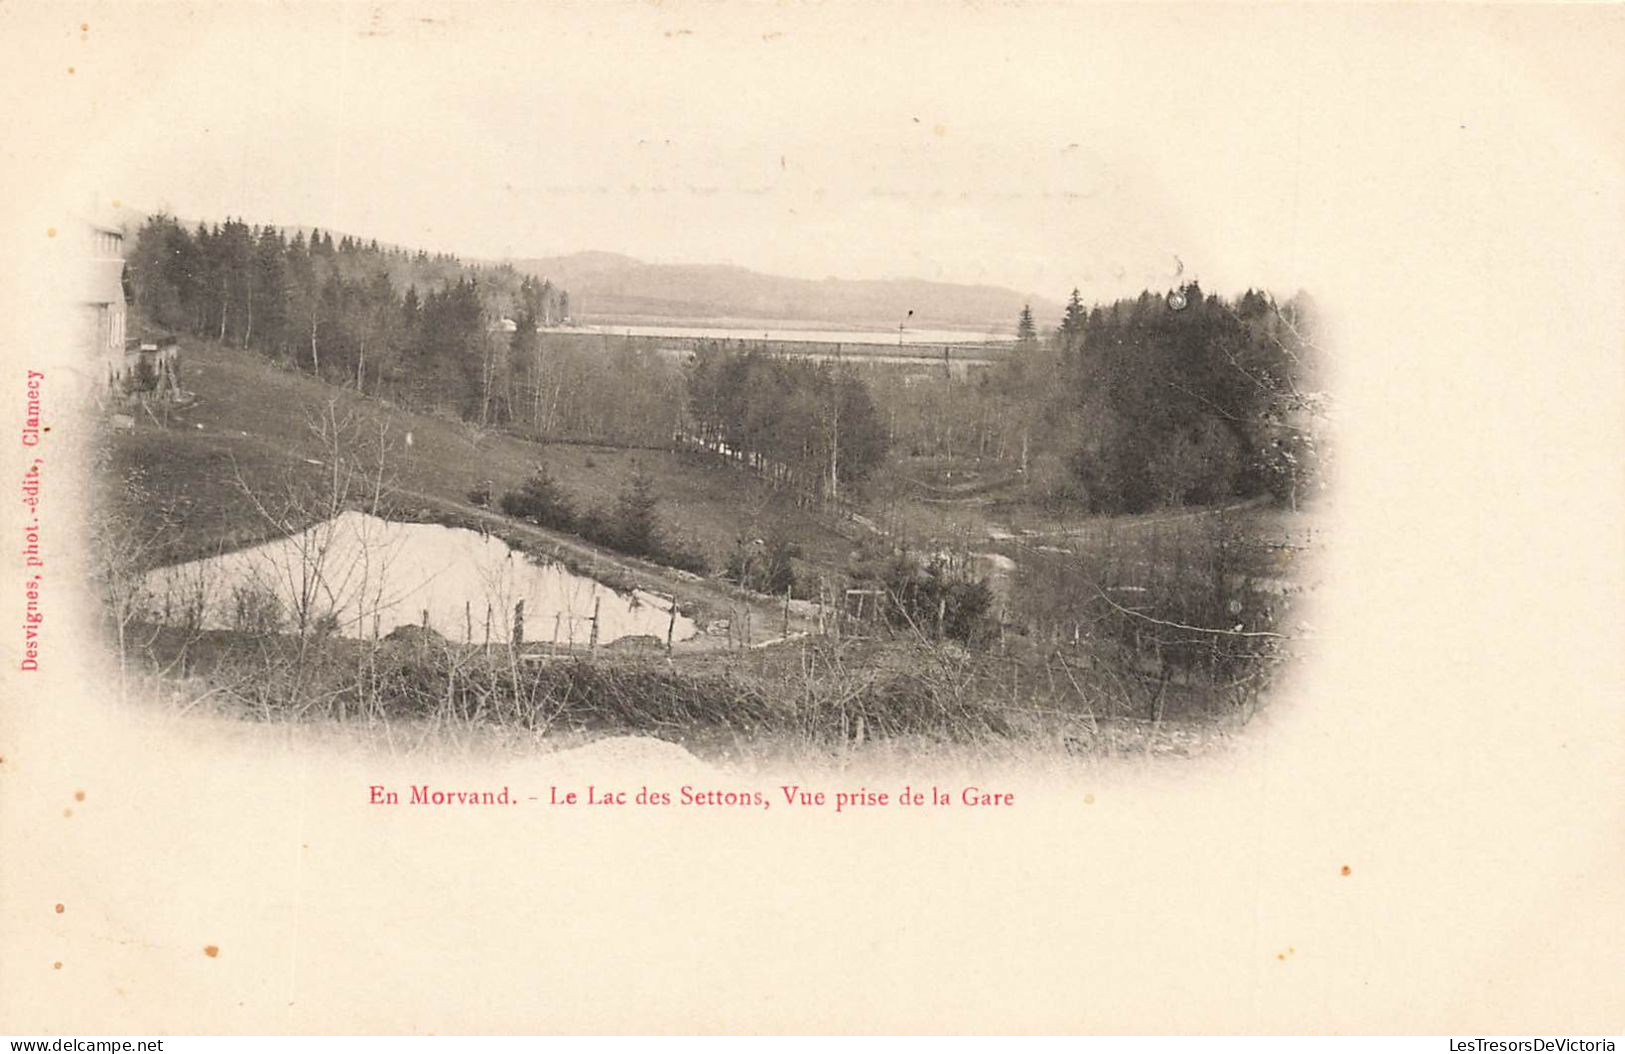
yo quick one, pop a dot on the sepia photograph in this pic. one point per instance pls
(437, 450)
(837, 518)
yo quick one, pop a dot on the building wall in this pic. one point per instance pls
(105, 318)
(104, 328)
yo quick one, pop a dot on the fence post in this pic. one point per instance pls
(592, 642)
(519, 623)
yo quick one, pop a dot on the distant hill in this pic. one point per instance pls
(607, 287)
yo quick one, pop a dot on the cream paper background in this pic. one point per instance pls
(1456, 742)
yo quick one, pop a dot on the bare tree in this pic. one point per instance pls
(306, 508)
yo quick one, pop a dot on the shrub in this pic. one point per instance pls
(932, 597)
(141, 378)
(256, 609)
(764, 566)
(630, 526)
(542, 501)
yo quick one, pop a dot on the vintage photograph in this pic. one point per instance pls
(411, 443)
(812, 518)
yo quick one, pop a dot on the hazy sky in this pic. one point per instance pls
(1030, 145)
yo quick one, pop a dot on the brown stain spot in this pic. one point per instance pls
(70, 71)
(84, 27)
(1088, 799)
(78, 795)
(50, 232)
(67, 813)
(1346, 872)
(211, 950)
(60, 909)
(939, 130)
(57, 965)
(1281, 956)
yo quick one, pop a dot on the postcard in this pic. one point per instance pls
(812, 518)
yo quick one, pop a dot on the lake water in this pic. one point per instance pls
(370, 576)
(817, 336)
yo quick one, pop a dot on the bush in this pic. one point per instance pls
(684, 558)
(1191, 595)
(142, 377)
(630, 526)
(256, 609)
(541, 501)
(932, 598)
(764, 566)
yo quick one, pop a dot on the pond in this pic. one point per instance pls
(361, 576)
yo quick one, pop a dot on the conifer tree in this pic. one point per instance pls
(1026, 331)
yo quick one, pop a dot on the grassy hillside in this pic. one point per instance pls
(194, 478)
(1099, 645)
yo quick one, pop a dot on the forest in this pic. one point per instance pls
(960, 552)
(1187, 399)
(429, 330)
(1162, 400)
(797, 421)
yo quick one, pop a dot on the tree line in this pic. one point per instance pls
(426, 328)
(1164, 399)
(1187, 398)
(802, 422)
(1158, 400)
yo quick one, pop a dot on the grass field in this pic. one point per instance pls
(192, 478)
(1095, 641)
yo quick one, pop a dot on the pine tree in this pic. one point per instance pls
(633, 528)
(1072, 325)
(1026, 331)
(1072, 321)
(541, 500)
